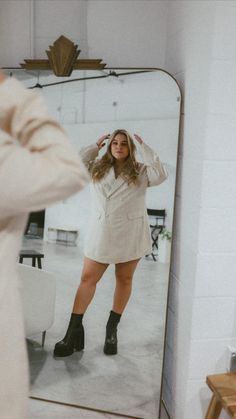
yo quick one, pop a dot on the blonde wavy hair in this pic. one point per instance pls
(130, 168)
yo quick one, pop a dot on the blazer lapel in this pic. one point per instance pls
(117, 183)
(111, 183)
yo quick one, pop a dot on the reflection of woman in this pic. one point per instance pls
(119, 231)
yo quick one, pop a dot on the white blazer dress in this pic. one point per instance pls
(37, 168)
(119, 230)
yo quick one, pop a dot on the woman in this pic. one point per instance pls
(120, 230)
(37, 168)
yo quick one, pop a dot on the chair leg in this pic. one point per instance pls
(43, 338)
(39, 263)
(214, 409)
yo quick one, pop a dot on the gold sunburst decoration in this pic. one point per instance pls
(63, 59)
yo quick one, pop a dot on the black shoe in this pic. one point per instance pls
(74, 338)
(110, 346)
(111, 342)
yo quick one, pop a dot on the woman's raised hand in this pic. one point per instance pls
(100, 142)
(139, 139)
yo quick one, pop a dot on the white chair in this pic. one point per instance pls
(38, 292)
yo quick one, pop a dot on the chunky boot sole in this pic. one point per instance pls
(110, 349)
(74, 344)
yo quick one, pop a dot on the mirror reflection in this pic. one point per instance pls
(113, 237)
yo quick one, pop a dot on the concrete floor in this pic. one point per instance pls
(126, 384)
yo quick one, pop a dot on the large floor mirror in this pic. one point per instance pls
(89, 104)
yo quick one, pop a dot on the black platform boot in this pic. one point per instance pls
(110, 346)
(74, 338)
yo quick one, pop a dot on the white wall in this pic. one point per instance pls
(201, 315)
(16, 34)
(59, 17)
(122, 33)
(127, 33)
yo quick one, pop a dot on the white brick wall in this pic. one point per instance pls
(127, 33)
(201, 52)
(15, 32)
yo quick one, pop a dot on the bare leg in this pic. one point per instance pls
(124, 275)
(91, 274)
(74, 338)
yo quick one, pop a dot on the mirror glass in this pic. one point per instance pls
(98, 102)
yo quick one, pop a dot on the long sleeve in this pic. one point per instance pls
(155, 170)
(38, 166)
(89, 154)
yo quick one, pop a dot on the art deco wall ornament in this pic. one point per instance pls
(62, 59)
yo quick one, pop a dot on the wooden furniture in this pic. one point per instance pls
(223, 387)
(31, 254)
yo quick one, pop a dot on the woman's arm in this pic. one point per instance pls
(90, 153)
(155, 170)
(37, 164)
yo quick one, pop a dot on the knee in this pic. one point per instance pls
(124, 280)
(87, 279)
